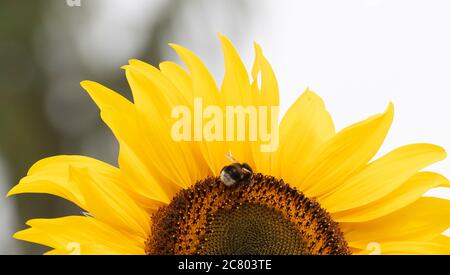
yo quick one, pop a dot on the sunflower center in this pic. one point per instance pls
(252, 230)
(260, 216)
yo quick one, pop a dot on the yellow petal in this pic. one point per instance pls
(59, 252)
(236, 91)
(51, 176)
(269, 85)
(235, 86)
(80, 235)
(180, 78)
(202, 81)
(305, 128)
(103, 183)
(422, 220)
(381, 177)
(142, 185)
(175, 163)
(163, 86)
(348, 151)
(121, 117)
(150, 80)
(407, 193)
(110, 204)
(204, 88)
(437, 246)
(266, 95)
(183, 82)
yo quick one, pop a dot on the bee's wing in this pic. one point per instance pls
(230, 157)
(246, 170)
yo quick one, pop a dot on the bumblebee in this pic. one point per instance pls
(235, 172)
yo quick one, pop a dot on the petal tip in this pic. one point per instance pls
(133, 60)
(21, 235)
(87, 84)
(91, 87)
(442, 150)
(310, 94)
(221, 35)
(388, 115)
(257, 46)
(224, 39)
(12, 192)
(175, 46)
(390, 107)
(226, 43)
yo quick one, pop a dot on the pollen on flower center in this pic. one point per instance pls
(261, 216)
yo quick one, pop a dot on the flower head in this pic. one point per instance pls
(175, 192)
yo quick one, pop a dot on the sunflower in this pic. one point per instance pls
(320, 192)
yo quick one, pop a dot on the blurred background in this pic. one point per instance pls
(357, 54)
